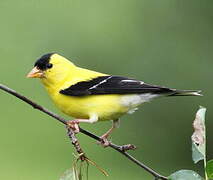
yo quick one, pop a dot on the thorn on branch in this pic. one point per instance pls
(128, 147)
(124, 148)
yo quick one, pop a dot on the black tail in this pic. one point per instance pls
(185, 93)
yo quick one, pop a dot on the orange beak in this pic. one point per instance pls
(35, 73)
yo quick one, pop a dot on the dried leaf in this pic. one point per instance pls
(199, 136)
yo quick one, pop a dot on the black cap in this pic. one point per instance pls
(43, 62)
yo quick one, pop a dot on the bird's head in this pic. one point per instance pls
(51, 68)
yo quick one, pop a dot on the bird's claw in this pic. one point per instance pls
(74, 125)
(104, 141)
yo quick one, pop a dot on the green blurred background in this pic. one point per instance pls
(165, 42)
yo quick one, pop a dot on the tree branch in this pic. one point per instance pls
(120, 149)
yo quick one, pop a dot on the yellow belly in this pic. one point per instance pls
(106, 107)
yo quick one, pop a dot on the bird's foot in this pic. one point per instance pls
(74, 125)
(104, 141)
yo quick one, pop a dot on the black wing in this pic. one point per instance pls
(113, 85)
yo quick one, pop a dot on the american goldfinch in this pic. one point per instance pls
(91, 96)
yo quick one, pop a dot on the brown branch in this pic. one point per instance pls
(76, 144)
(120, 149)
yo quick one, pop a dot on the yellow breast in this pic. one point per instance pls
(106, 107)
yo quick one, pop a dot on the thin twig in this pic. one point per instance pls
(76, 144)
(120, 149)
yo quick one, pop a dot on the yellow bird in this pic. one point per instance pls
(91, 96)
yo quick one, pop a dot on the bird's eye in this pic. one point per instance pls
(49, 66)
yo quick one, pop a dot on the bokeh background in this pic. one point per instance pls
(166, 42)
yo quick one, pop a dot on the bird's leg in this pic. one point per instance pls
(104, 138)
(74, 124)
